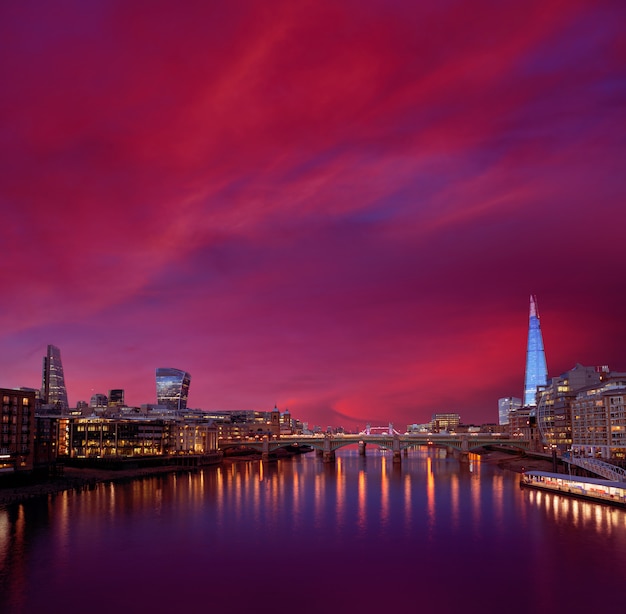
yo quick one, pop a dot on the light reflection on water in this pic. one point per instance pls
(365, 533)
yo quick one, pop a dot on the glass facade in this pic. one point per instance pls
(53, 391)
(172, 387)
(505, 407)
(536, 369)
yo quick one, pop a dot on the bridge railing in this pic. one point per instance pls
(595, 465)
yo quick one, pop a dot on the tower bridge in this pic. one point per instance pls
(327, 445)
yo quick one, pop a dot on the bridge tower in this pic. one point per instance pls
(275, 421)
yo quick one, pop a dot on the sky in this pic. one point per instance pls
(336, 207)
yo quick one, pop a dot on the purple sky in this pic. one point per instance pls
(338, 207)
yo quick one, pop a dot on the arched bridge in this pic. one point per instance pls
(329, 444)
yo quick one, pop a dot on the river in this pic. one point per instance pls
(360, 535)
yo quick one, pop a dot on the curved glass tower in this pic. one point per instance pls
(536, 370)
(172, 387)
(53, 391)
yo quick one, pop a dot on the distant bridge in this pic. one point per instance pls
(329, 444)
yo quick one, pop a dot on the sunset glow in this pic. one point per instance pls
(337, 207)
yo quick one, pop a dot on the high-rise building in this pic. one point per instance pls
(53, 391)
(536, 370)
(172, 387)
(505, 406)
(116, 398)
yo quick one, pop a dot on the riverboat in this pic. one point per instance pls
(593, 489)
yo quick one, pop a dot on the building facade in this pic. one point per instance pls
(445, 422)
(53, 390)
(554, 411)
(536, 370)
(599, 421)
(172, 387)
(17, 430)
(123, 438)
(505, 406)
(104, 438)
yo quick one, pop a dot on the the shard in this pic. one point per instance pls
(536, 370)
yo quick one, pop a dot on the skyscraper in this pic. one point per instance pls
(53, 391)
(505, 406)
(536, 370)
(172, 387)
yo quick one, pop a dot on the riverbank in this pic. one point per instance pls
(79, 479)
(86, 478)
(516, 462)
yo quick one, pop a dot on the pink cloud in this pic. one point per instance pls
(338, 206)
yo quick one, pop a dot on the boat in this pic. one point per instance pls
(591, 489)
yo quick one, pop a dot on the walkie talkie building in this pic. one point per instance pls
(536, 370)
(172, 387)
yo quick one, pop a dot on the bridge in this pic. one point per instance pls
(327, 445)
(597, 466)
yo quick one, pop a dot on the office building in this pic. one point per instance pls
(554, 411)
(99, 400)
(53, 391)
(445, 422)
(116, 398)
(505, 406)
(536, 370)
(172, 387)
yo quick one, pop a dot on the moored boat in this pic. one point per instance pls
(593, 489)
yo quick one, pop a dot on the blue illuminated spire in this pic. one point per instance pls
(536, 370)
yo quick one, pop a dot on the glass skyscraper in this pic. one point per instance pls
(172, 387)
(506, 406)
(53, 391)
(536, 370)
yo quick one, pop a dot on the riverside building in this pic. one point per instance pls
(445, 422)
(554, 411)
(17, 430)
(599, 421)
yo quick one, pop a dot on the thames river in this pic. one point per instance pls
(362, 535)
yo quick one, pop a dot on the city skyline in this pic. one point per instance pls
(344, 222)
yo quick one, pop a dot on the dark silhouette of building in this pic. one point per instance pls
(116, 398)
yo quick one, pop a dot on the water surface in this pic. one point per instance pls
(361, 535)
